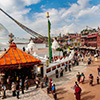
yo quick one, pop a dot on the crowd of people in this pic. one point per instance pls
(48, 84)
(15, 86)
(81, 77)
(22, 84)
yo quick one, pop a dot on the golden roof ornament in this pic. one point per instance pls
(11, 38)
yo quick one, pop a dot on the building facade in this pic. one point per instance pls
(91, 40)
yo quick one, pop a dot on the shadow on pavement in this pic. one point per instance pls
(95, 84)
(61, 98)
(86, 81)
(90, 97)
(86, 92)
(61, 91)
(31, 90)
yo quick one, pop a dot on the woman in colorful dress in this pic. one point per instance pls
(82, 78)
(78, 92)
(50, 84)
(78, 77)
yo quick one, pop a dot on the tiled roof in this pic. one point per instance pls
(13, 55)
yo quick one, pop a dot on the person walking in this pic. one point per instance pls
(97, 80)
(66, 67)
(3, 91)
(26, 83)
(46, 80)
(9, 82)
(73, 62)
(89, 60)
(69, 67)
(50, 84)
(17, 89)
(91, 79)
(78, 77)
(54, 92)
(22, 86)
(82, 78)
(53, 88)
(78, 92)
(13, 87)
(98, 70)
(61, 72)
(57, 73)
(37, 82)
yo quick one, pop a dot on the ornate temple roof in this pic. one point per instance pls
(13, 56)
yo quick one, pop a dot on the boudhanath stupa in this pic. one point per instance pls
(31, 46)
(55, 45)
(3, 32)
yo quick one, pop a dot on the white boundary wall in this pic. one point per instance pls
(50, 70)
(61, 63)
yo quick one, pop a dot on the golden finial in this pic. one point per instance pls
(11, 38)
(47, 14)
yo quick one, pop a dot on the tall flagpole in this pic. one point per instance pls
(49, 38)
(48, 26)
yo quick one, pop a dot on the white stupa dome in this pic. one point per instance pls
(31, 46)
(55, 45)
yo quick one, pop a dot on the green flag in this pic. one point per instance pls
(49, 40)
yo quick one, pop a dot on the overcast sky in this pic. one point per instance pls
(65, 15)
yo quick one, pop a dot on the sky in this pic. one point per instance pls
(65, 16)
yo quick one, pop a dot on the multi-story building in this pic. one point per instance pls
(94, 40)
(84, 40)
(75, 40)
(91, 40)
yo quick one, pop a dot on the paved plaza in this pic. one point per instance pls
(40, 94)
(31, 94)
(67, 76)
(66, 92)
(64, 86)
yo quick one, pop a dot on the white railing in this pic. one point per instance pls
(50, 70)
